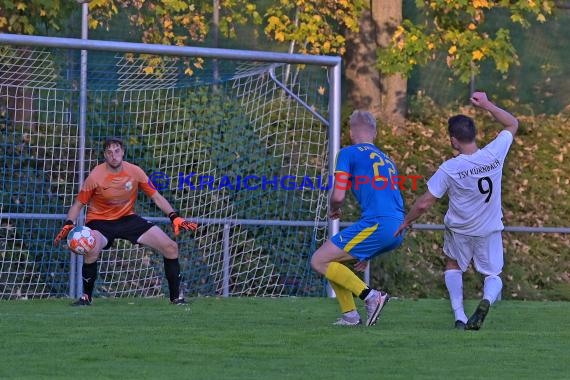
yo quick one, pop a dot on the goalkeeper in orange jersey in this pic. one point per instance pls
(110, 192)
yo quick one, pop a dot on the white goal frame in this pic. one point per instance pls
(332, 64)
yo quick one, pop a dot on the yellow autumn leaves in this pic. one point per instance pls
(452, 27)
(481, 4)
(476, 54)
(313, 26)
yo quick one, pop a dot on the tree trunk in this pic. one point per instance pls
(387, 15)
(362, 77)
(384, 97)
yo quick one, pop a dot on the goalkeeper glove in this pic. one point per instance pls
(179, 223)
(68, 226)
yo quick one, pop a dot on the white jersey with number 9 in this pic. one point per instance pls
(473, 184)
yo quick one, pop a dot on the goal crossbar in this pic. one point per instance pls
(187, 51)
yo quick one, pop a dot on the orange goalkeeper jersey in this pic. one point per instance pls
(110, 196)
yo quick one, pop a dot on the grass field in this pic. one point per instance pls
(286, 338)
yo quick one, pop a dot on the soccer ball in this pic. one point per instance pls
(81, 240)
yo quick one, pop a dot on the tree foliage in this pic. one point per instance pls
(315, 26)
(310, 26)
(457, 28)
(171, 22)
(167, 22)
(33, 16)
(174, 22)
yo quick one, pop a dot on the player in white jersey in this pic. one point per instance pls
(473, 222)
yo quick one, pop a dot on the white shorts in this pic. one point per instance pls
(486, 251)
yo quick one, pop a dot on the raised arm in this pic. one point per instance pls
(509, 122)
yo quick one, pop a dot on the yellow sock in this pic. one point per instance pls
(344, 297)
(341, 275)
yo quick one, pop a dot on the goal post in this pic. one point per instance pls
(247, 153)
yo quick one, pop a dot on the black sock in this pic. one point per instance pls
(172, 273)
(89, 273)
(364, 293)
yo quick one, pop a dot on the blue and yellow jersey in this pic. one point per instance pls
(370, 174)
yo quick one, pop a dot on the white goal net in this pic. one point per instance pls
(245, 156)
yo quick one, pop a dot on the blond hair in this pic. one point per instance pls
(362, 121)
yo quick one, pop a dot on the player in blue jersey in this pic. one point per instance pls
(369, 173)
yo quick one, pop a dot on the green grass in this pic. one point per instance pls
(263, 338)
